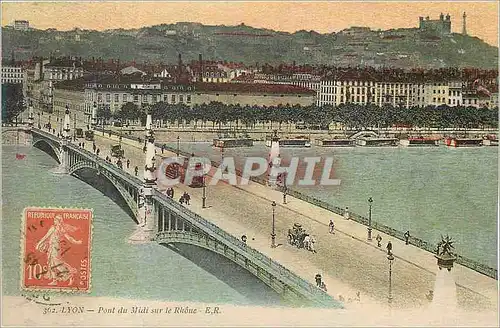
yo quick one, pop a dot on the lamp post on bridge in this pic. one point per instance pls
(74, 127)
(284, 175)
(204, 197)
(390, 257)
(273, 234)
(178, 142)
(39, 125)
(370, 201)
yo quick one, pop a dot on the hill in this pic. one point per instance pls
(354, 46)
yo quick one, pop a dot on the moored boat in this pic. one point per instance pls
(290, 142)
(335, 142)
(419, 141)
(490, 140)
(377, 142)
(463, 142)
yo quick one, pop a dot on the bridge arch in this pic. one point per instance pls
(56, 153)
(286, 291)
(364, 133)
(123, 192)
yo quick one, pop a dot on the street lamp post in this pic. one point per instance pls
(204, 197)
(178, 144)
(273, 234)
(39, 125)
(74, 127)
(284, 187)
(390, 257)
(370, 201)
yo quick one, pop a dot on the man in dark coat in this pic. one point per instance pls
(389, 248)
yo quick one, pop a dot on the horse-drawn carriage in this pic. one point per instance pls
(296, 235)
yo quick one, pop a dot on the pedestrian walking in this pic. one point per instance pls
(98, 151)
(244, 239)
(94, 147)
(162, 148)
(311, 245)
(79, 144)
(389, 248)
(378, 239)
(407, 237)
(346, 213)
(181, 200)
(136, 170)
(83, 145)
(187, 198)
(317, 277)
(128, 163)
(331, 226)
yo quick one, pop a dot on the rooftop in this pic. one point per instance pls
(253, 88)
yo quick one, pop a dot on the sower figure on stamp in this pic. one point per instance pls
(57, 268)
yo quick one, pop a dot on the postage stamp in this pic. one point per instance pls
(56, 249)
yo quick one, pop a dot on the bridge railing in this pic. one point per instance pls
(462, 260)
(108, 166)
(277, 269)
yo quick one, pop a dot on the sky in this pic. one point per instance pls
(323, 17)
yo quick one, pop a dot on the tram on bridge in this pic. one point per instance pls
(176, 170)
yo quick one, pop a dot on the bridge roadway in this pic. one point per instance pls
(346, 260)
(170, 223)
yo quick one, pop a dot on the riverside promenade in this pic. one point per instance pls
(346, 260)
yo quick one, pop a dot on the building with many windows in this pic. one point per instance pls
(13, 74)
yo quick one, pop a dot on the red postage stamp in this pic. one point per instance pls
(56, 249)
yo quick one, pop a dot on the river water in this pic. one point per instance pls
(119, 269)
(428, 191)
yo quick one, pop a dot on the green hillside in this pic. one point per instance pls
(163, 43)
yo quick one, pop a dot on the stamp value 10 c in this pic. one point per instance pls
(56, 248)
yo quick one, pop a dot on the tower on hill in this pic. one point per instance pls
(464, 26)
(440, 26)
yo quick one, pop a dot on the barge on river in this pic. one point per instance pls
(420, 142)
(377, 142)
(291, 142)
(335, 142)
(490, 140)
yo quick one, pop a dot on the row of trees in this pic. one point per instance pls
(12, 102)
(349, 115)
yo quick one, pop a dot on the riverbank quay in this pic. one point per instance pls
(346, 257)
(191, 133)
